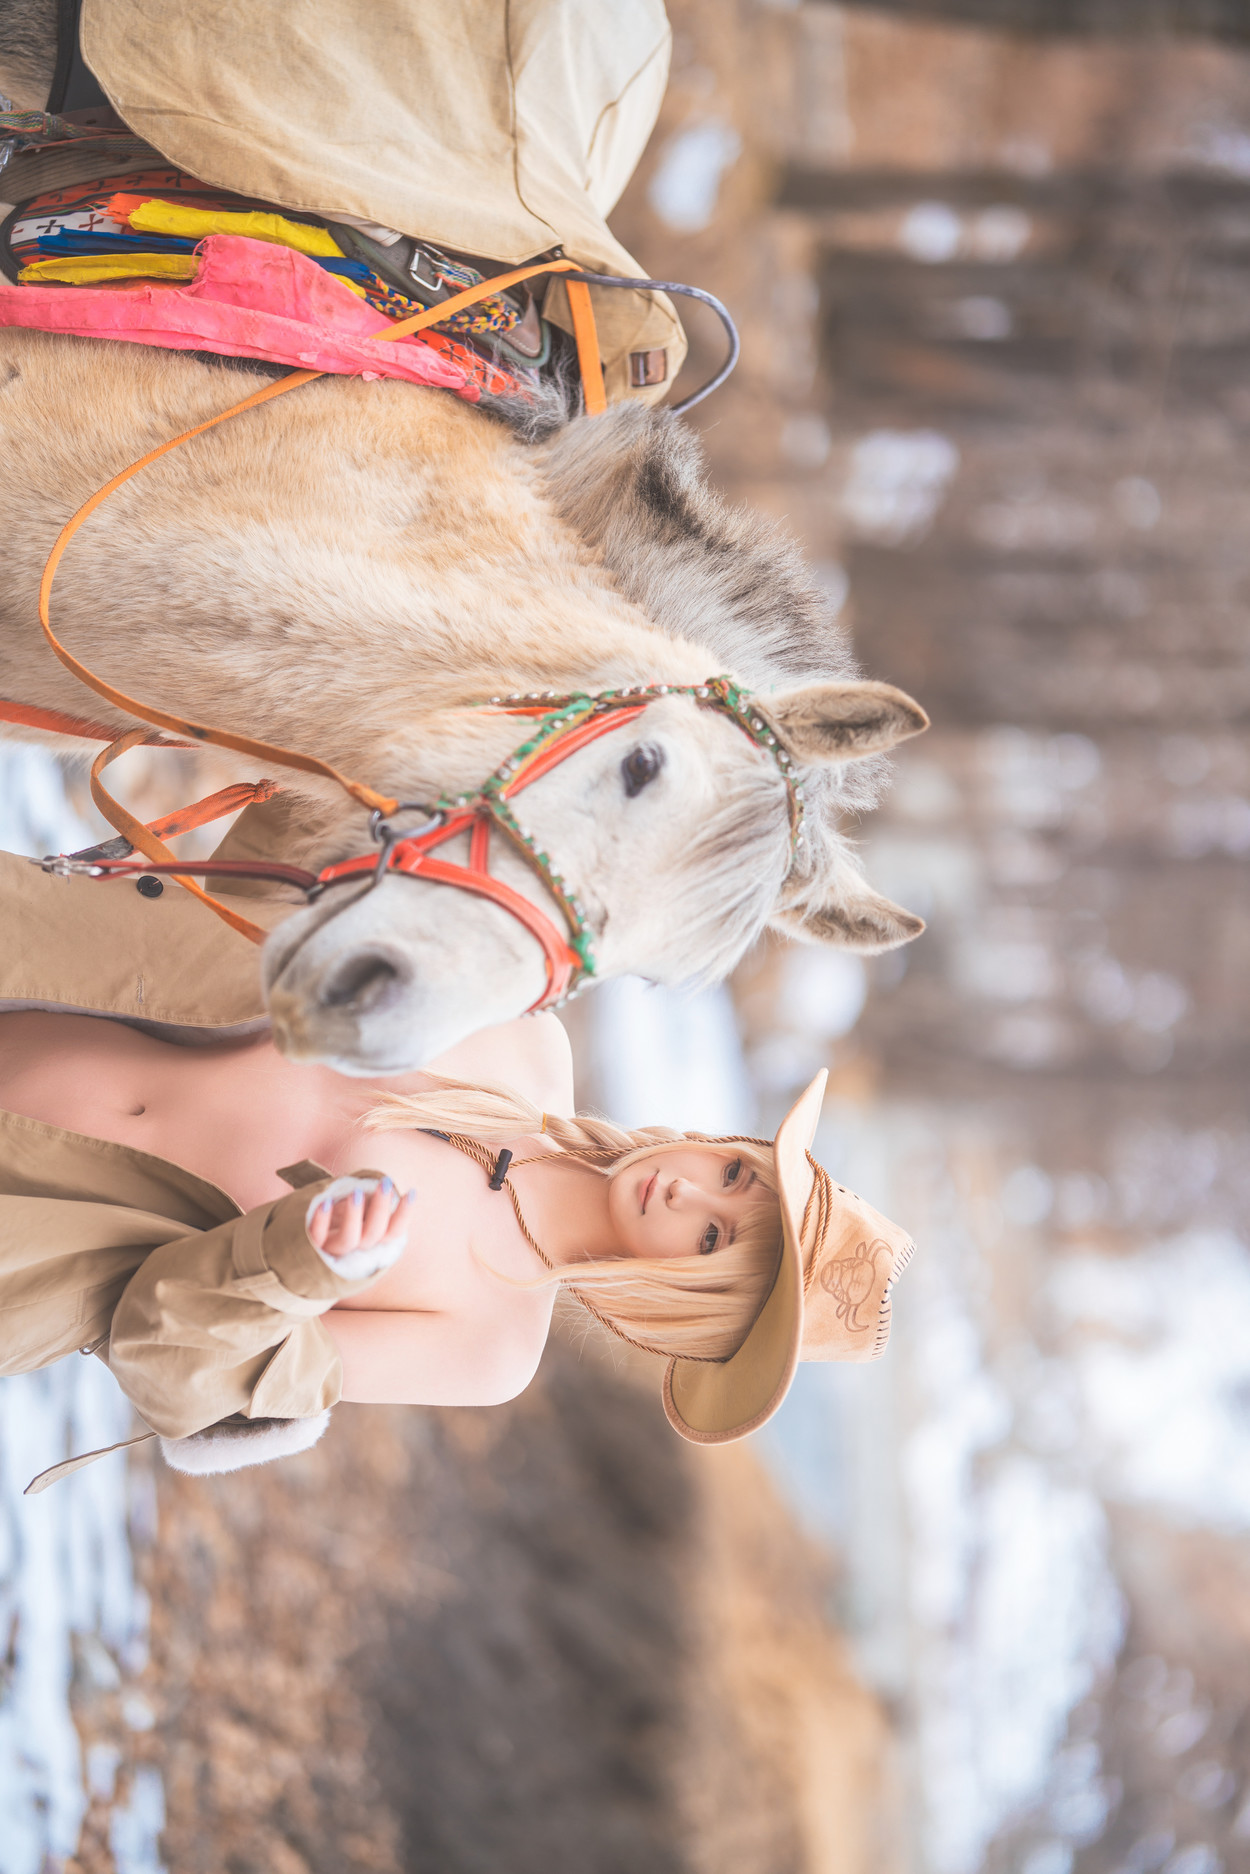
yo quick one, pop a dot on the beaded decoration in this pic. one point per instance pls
(559, 716)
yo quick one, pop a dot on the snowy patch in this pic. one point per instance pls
(35, 816)
(134, 1829)
(934, 233)
(1015, 1611)
(65, 1577)
(896, 485)
(664, 1058)
(1163, 1365)
(684, 188)
(931, 232)
(68, 1595)
(1223, 148)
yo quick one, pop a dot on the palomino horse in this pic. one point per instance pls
(347, 571)
(352, 570)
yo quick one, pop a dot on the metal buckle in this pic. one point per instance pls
(422, 273)
(65, 865)
(388, 836)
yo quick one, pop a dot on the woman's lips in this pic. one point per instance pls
(647, 1190)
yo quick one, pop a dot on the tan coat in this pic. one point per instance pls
(201, 1311)
(501, 128)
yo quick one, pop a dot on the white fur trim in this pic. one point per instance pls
(359, 1265)
(234, 1444)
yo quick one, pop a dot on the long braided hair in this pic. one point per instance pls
(698, 1307)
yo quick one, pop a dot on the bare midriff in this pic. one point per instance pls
(231, 1114)
(431, 1329)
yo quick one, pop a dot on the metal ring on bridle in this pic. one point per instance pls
(380, 827)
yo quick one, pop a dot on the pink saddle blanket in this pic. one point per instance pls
(250, 299)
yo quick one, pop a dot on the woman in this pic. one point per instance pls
(143, 1217)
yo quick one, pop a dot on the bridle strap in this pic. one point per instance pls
(144, 840)
(412, 856)
(569, 744)
(560, 961)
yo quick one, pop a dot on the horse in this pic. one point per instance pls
(354, 569)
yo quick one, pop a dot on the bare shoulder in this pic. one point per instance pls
(532, 1055)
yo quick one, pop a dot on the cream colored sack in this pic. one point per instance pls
(501, 128)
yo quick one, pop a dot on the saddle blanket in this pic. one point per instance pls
(249, 299)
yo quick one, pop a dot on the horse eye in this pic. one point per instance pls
(640, 766)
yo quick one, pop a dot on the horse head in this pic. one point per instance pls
(673, 834)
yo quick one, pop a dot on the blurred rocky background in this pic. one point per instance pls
(984, 1606)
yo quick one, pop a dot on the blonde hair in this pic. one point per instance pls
(698, 1307)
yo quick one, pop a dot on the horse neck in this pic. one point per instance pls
(324, 568)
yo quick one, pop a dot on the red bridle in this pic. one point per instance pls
(412, 855)
(568, 724)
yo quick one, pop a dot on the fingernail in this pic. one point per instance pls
(411, 1198)
(324, 1207)
(386, 1187)
(358, 1196)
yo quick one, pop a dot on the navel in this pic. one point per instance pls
(137, 1112)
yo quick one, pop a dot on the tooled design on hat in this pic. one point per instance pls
(848, 1280)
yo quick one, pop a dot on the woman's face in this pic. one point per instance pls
(688, 1201)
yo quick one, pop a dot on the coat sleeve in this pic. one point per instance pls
(227, 1321)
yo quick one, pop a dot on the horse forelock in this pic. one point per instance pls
(733, 867)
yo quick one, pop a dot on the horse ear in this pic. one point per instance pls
(859, 920)
(827, 722)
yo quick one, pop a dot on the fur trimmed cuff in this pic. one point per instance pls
(359, 1265)
(236, 1443)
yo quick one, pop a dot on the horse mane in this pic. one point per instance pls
(717, 903)
(634, 484)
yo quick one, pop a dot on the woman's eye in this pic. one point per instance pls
(639, 767)
(710, 1238)
(733, 1171)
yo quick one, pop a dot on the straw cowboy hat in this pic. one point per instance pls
(830, 1301)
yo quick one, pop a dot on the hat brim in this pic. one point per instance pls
(712, 1402)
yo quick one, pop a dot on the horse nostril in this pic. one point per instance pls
(363, 983)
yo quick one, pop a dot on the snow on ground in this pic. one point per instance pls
(1014, 1611)
(67, 1597)
(1162, 1366)
(71, 1609)
(686, 184)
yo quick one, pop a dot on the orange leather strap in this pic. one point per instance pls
(60, 722)
(587, 337)
(146, 841)
(213, 807)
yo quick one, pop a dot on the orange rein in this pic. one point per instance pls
(147, 839)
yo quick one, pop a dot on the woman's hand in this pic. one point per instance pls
(378, 1220)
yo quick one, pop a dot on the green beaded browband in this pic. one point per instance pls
(563, 715)
(564, 712)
